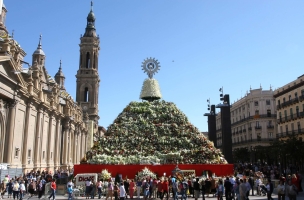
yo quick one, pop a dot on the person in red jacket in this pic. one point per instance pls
(159, 189)
(53, 189)
(165, 188)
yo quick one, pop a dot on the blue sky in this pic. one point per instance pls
(213, 43)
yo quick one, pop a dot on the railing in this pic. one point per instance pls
(289, 133)
(254, 141)
(258, 127)
(290, 102)
(244, 130)
(290, 117)
(270, 126)
(250, 128)
(301, 98)
(254, 117)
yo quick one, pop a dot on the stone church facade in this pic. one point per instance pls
(41, 126)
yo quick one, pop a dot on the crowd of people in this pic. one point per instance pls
(246, 182)
(30, 184)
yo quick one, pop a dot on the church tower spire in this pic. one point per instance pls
(87, 75)
(59, 77)
(38, 54)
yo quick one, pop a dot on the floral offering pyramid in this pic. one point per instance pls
(153, 132)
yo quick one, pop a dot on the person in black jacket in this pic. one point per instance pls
(228, 187)
(196, 189)
(208, 186)
(203, 189)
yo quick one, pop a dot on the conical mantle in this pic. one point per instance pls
(150, 90)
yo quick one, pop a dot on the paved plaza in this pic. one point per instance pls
(274, 196)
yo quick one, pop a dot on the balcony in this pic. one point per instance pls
(258, 127)
(240, 131)
(270, 126)
(289, 133)
(290, 117)
(250, 128)
(279, 107)
(301, 98)
(244, 130)
(254, 117)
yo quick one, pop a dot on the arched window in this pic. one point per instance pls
(86, 94)
(298, 112)
(94, 58)
(80, 60)
(88, 60)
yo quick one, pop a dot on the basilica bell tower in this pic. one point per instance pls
(87, 85)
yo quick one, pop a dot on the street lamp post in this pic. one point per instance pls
(211, 123)
(226, 126)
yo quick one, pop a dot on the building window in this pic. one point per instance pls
(268, 102)
(284, 100)
(86, 94)
(269, 122)
(257, 112)
(281, 129)
(292, 127)
(289, 98)
(302, 93)
(256, 103)
(270, 135)
(285, 115)
(29, 153)
(257, 123)
(43, 155)
(268, 113)
(297, 111)
(88, 60)
(279, 102)
(291, 113)
(296, 95)
(286, 129)
(299, 127)
(16, 152)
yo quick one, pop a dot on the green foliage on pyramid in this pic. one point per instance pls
(153, 132)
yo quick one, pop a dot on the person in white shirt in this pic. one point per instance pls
(22, 190)
(258, 182)
(88, 189)
(122, 191)
(99, 185)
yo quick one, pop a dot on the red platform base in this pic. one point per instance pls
(131, 170)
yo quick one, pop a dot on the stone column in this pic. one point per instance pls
(37, 138)
(50, 136)
(74, 146)
(57, 143)
(65, 144)
(25, 139)
(10, 131)
(70, 151)
(82, 143)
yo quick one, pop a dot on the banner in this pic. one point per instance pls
(82, 178)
